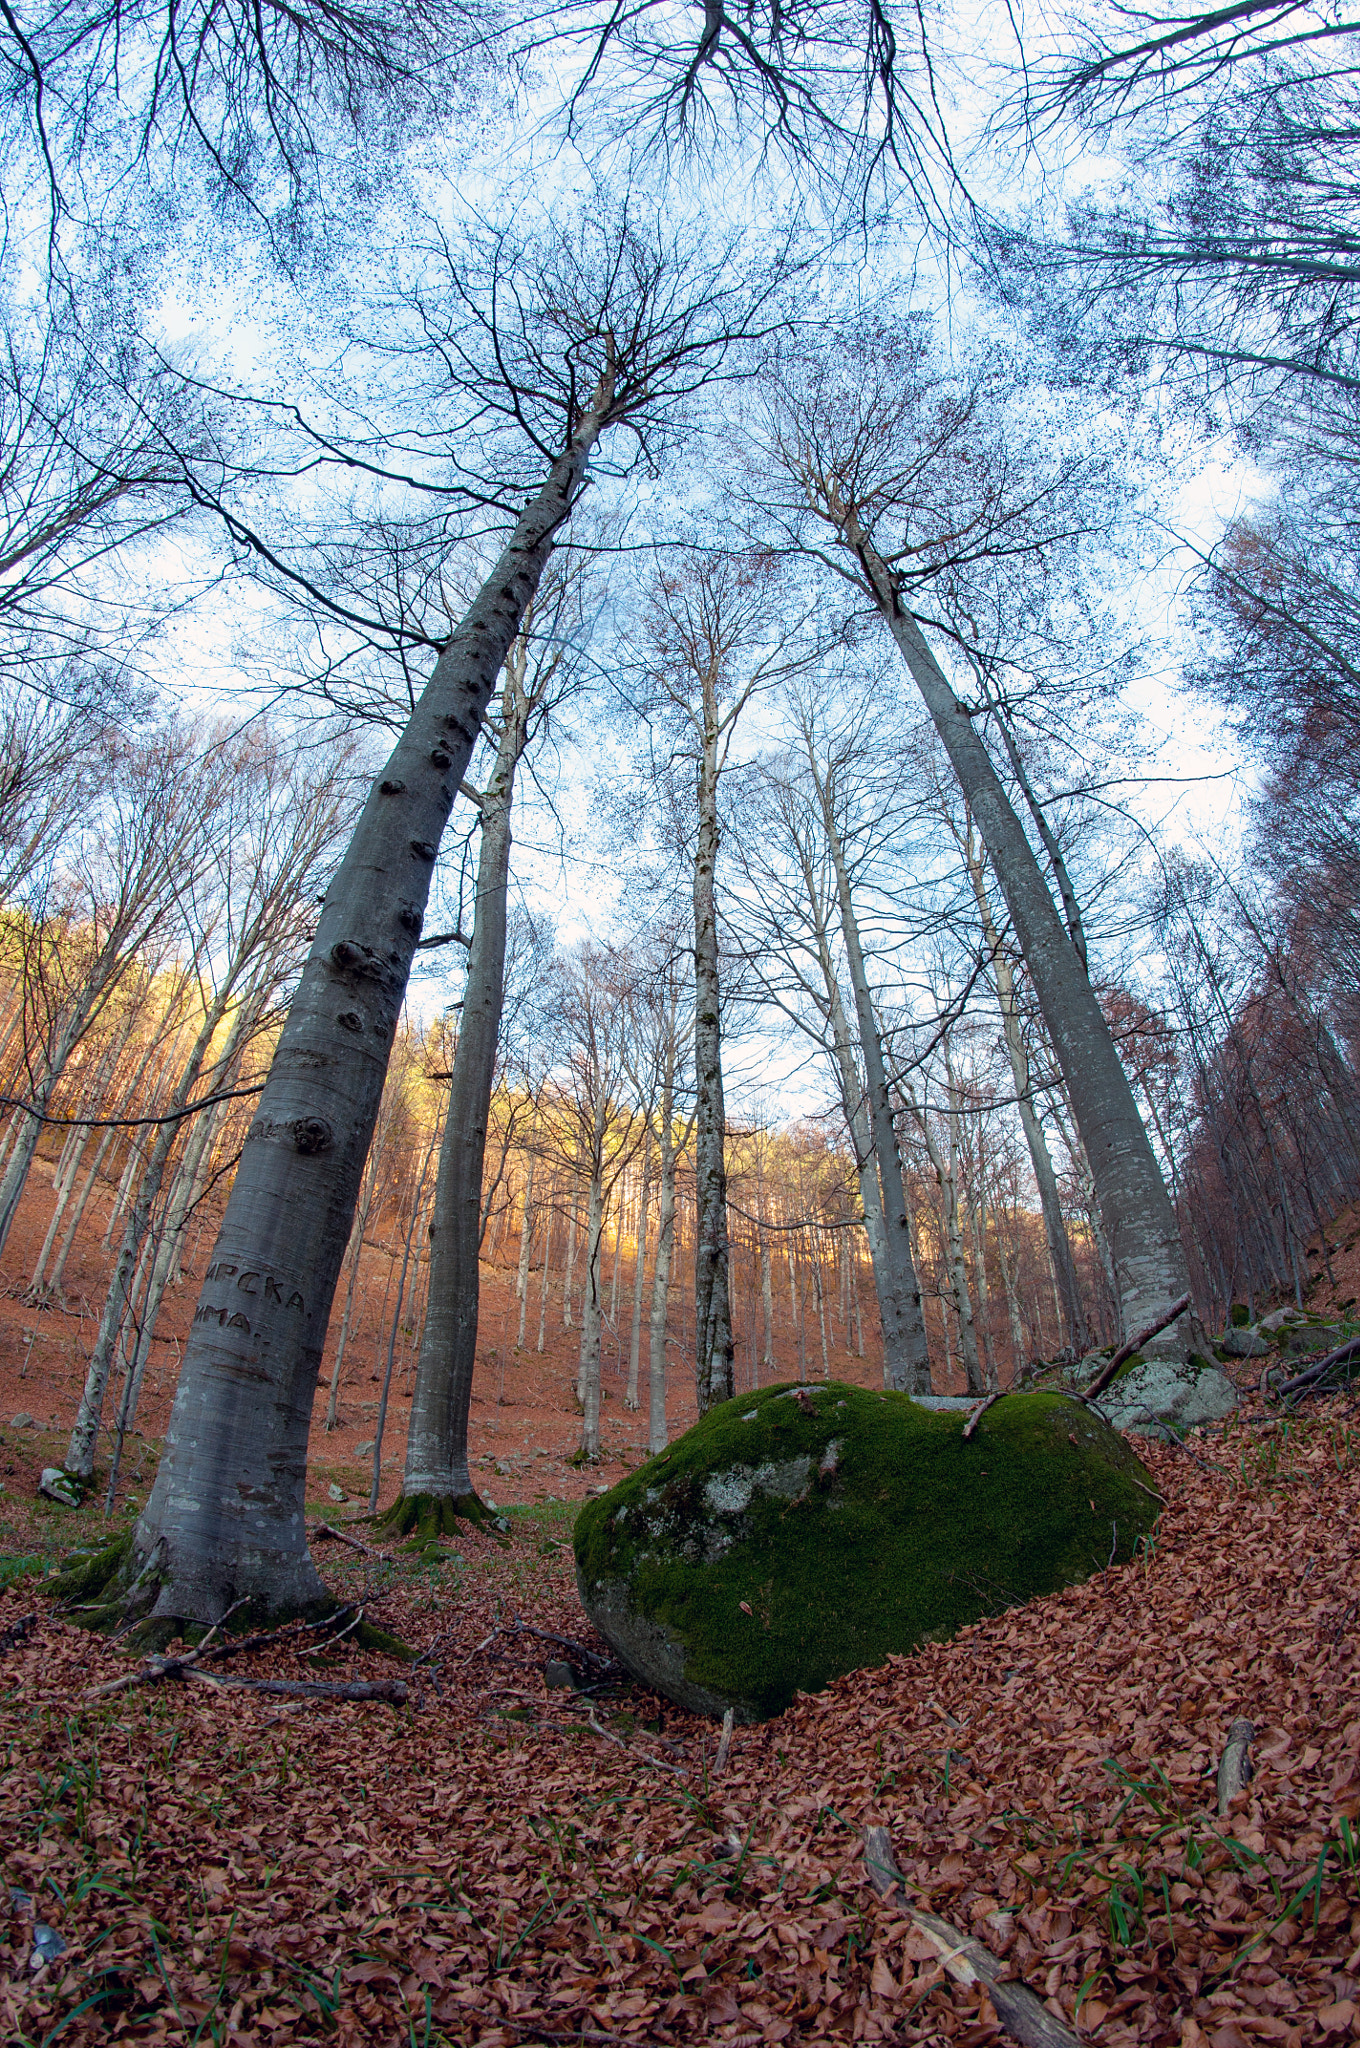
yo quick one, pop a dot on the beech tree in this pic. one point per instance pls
(548, 345)
(917, 487)
(437, 1485)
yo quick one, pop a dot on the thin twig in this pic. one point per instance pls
(975, 1415)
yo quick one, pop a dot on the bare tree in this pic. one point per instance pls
(556, 344)
(918, 490)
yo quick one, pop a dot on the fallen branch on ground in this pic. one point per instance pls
(1234, 1770)
(975, 1415)
(156, 1668)
(724, 1743)
(301, 1688)
(1310, 1381)
(545, 1635)
(1132, 1344)
(967, 1961)
(339, 1536)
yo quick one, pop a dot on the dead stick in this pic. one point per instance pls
(724, 1742)
(1020, 2012)
(1341, 1356)
(155, 1668)
(299, 1688)
(1127, 1349)
(545, 1635)
(1234, 1770)
(339, 1536)
(975, 1415)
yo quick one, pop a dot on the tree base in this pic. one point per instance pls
(100, 1590)
(423, 1518)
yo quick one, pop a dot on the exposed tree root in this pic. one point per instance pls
(102, 1591)
(423, 1518)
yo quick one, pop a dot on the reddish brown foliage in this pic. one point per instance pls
(221, 1871)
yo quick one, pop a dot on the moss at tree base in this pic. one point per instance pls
(797, 1534)
(425, 1518)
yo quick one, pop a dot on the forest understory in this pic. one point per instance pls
(496, 1861)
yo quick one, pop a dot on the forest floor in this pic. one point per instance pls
(495, 1862)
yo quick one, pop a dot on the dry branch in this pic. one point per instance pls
(975, 1415)
(967, 1961)
(300, 1688)
(156, 1668)
(1234, 1770)
(1311, 1381)
(339, 1536)
(1132, 1344)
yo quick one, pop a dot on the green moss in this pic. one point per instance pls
(900, 1532)
(424, 1518)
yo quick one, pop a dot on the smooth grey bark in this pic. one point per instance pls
(714, 1353)
(1145, 1242)
(355, 1251)
(225, 1518)
(436, 1442)
(630, 1399)
(1041, 1160)
(908, 1349)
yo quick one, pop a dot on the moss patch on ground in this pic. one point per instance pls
(797, 1534)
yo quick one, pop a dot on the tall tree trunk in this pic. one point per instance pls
(1144, 1238)
(547, 1269)
(714, 1370)
(1045, 1179)
(630, 1399)
(380, 1426)
(906, 1346)
(436, 1443)
(225, 1518)
(766, 1303)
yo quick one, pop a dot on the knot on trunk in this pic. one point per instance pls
(392, 788)
(312, 1134)
(423, 850)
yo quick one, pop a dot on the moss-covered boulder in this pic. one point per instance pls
(803, 1532)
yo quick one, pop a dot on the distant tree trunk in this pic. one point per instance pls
(1139, 1221)
(526, 1239)
(713, 1348)
(767, 1302)
(1072, 1313)
(630, 1399)
(380, 1426)
(906, 1354)
(543, 1281)
(667, 1155)
(570, 1263)
(588, 1378)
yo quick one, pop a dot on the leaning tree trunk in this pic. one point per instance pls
(713, 1348)
(437, 1483)
(1041, 1159)
(225, 1522)
(1145, 1242)
(908, 1347)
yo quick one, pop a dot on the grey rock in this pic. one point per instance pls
(364, 1450)
(336, 1492)
(23, 1420)
(1279, 1319)
(947, 1402)
(559, 1675)
(1163, 1396)
(59, 1486)
(1243, 1343)
(1312, 1339)
(47, 1945)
